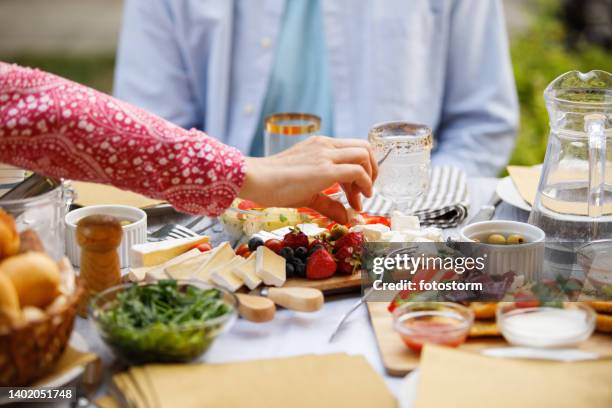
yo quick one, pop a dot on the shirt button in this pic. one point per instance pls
(266, 42)
(248, 109)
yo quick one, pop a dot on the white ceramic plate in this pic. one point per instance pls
(508, 192)
(77, 342)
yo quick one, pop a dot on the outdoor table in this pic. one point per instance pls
(293, 333)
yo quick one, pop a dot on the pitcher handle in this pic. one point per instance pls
(594, 125)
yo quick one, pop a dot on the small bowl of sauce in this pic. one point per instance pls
(546, 326)
(442, 323)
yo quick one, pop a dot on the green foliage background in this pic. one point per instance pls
(539, 55)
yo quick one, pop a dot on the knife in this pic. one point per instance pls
(487, 211)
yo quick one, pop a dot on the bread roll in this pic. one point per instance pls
(9, 238)
(9, 304)
(35, 276)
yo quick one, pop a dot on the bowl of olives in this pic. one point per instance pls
(507, 246)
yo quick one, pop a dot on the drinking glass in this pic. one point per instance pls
(283, 130)
(403, 151)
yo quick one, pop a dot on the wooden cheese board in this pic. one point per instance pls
(399, 361)
(334, 285)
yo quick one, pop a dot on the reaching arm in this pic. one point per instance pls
(480, 112)
(62, 129)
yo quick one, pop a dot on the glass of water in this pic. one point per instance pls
(283, 130)
(403, 151)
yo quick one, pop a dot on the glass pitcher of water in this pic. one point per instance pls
(574, 199)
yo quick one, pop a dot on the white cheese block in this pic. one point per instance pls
(225, 277)
(185, 270)
(246, 271)
(371, 232)
(155, 253)
(270, 267)
(309, 229)
(157, 271)
(401, 222)
(265, 235)
(394, 236)
(221, 255)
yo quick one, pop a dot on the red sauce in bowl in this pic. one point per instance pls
(438, 325)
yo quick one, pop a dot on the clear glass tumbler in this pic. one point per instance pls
(403, 151)
(283, 130)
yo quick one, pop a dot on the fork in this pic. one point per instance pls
(177, 231)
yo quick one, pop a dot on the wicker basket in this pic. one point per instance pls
(29, 352)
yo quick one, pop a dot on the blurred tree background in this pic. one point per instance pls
(539, 55)
(541, 50)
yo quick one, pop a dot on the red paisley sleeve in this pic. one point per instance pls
(62, 129)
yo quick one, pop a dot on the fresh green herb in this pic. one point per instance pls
(163, 321)
(282, 218)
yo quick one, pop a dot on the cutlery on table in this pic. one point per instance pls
(487, 211)
(178, 231)
(355, 306)
(255, 308)
(293, 298)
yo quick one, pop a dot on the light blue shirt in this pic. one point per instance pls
(444, 63)
(299, 81)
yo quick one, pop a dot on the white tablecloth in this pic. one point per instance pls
(292, 333)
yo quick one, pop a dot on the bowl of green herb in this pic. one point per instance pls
(165, 321)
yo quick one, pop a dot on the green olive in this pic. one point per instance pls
(338, 231)
(516, 239)
(496, 239)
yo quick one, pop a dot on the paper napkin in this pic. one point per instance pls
(454, 378)
(332, 380)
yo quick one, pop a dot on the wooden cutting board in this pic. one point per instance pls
(398, 360)
(333, 285)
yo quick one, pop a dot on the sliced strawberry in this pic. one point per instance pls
(376, 219)
(320, 265)
(333, 189)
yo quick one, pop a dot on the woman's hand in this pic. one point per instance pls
(296, 176)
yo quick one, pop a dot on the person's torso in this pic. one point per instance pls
(387, 61)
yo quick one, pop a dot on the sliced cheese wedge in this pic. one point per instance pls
(221, 255)
(225, 277)
(185, 270)
(246, 271)
(270, 267)
(157, 271)
(155, 253)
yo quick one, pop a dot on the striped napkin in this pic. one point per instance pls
(445, 205)
(9, 177)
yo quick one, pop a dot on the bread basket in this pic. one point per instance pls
(30, 351)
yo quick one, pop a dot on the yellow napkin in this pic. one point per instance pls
(526, 180)
(70, 359)
(454, 378)
(332, 380)
(100, 194)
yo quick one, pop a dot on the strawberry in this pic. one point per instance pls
(348, 260)
(352, 239)
(320, 265)
(295, 239)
